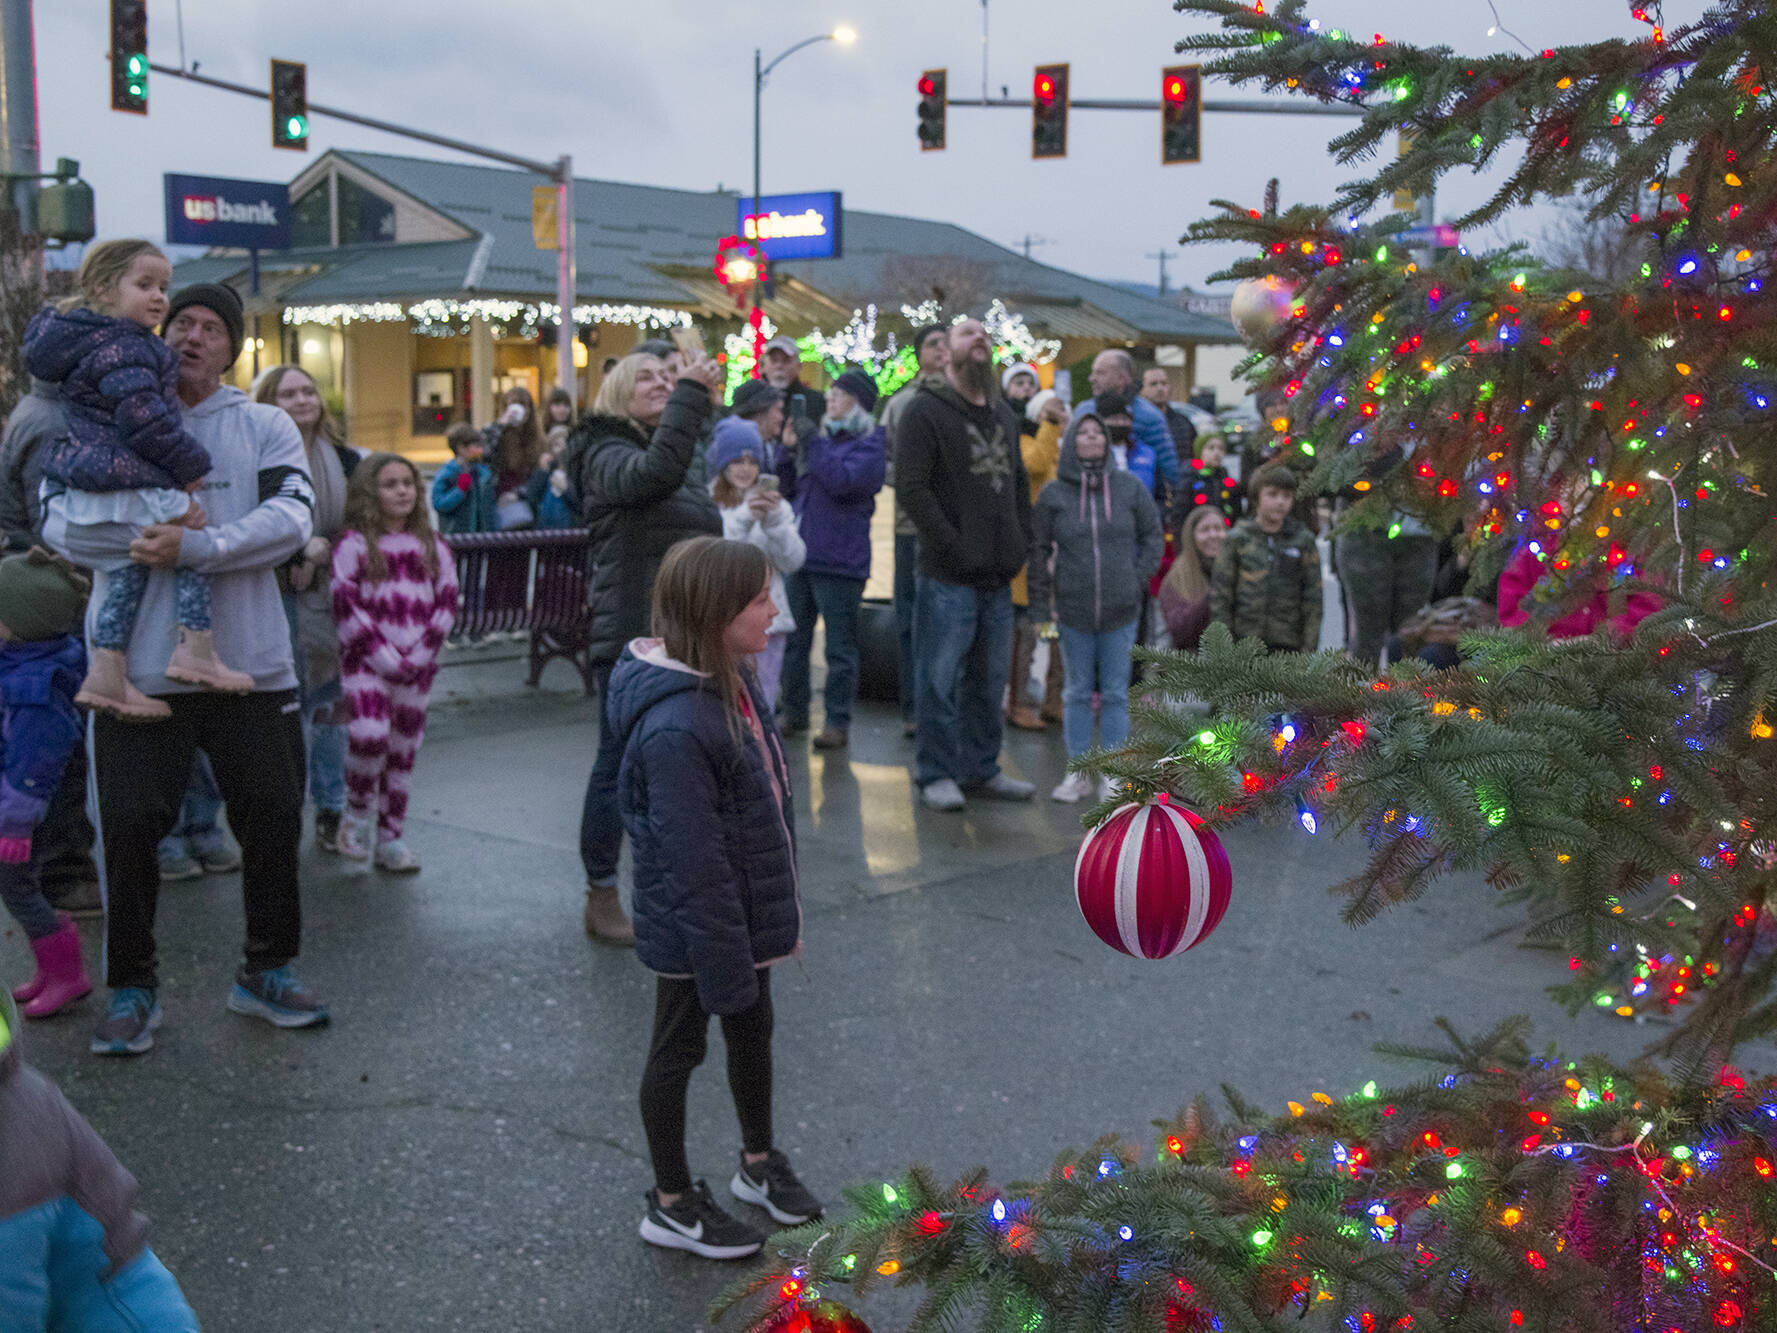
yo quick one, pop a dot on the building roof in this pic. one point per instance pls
(648, 245)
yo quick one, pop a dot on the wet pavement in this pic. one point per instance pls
(460, 1149)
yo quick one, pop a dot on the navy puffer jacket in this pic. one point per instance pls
(715, 854)
(118, 382)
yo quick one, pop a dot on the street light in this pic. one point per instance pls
(844, 34)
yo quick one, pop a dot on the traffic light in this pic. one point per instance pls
(1181, 114)
(289, 105)
(932, 104)
(129, 56)
(1048, 120)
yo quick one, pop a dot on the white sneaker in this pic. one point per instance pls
(943, 794)
(394, 857)
(1072, 789)
(353, 844)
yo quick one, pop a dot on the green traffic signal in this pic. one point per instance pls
(296, 128)
(138, 65)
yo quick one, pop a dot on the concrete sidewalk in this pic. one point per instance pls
(461, 1149)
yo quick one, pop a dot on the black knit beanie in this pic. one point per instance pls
(220, 301)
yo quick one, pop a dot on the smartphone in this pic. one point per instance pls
(689, 342)
(767, 483)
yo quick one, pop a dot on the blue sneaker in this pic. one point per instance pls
(277, 997)
(128, 1028)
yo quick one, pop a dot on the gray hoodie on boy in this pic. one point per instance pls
(259, 503)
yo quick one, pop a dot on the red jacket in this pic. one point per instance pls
(1524, 571)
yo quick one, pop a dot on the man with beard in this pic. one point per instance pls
(960, 477)
(931, 345)
(1156, 388)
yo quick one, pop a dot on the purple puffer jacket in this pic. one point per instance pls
(119, 384)
(833, 485)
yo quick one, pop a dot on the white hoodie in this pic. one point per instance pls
(780, 539)
(259, 505)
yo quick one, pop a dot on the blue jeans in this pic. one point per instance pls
(906, 599)
(196, 833)
(1098, 661)
(834, 598)
(965, 659)
(601, 818)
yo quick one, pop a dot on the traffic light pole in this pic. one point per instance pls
(560, 171)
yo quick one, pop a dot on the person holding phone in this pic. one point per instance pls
(630, 462)
(754, 511)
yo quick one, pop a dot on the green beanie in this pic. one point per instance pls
(41, 595)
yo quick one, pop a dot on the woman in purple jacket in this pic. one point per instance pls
(833, 489)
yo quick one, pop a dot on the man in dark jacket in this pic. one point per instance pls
(960, 477)
(1156, 388)
(630, 469)
(781, 368)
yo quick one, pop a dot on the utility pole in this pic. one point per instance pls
(21, 252)
(1030, 240)
(984, 55)
(1162, 256)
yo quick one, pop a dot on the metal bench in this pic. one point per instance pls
(533, 581)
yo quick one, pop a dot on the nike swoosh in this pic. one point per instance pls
(690, 1233)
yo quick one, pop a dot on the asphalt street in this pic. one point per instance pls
(460, 1148)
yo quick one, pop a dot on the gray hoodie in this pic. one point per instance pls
(1100, 527)
(259, 503)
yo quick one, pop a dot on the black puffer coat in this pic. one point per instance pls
(637, 499)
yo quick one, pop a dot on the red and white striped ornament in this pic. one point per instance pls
(1152, 880)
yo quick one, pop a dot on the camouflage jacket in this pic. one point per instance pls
(1267, 585)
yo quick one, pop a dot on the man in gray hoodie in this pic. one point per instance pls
(258, 501)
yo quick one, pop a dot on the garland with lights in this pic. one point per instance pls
(1620, 788)
(442, 318)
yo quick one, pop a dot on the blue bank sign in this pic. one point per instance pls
(213, 210)
(793, 226)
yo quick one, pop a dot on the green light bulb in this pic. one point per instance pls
(888, 1194)
(1370, 1088)
(1453, 1171)
(1261, 1237)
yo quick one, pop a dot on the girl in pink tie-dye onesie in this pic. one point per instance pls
(394, 598)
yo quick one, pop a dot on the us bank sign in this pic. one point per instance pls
(214, 210)
(793, 226)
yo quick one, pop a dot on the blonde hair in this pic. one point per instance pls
(102, 268)
(619, 385)
(364, 513)
(270, 380)
(703, 584)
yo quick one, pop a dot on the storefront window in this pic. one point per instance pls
(308, 218)
(364, 218)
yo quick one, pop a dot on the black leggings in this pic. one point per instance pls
(681, 1031)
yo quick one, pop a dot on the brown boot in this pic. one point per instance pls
(107, 689)
(831, 738)
(605, 920)
(195, 663)
(1019, 712)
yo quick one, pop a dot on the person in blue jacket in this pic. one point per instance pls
(463, 490)
(705, 797)
(833, 491)
(74, 1254)
(42, 600)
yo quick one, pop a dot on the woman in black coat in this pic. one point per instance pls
(629, 463)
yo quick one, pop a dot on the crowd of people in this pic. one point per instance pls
(253, 613)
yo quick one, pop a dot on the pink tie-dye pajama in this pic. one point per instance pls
(390, 634)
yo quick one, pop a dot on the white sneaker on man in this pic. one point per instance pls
(943, 794)
(1072, 789)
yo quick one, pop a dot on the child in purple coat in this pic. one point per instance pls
(127, 459)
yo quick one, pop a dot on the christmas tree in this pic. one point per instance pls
(1619, 785)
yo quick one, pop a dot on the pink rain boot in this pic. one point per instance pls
(61, 975)
(195, 663)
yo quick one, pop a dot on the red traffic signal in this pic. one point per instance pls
(1048, 129)
(1181, 114)
(932, 109)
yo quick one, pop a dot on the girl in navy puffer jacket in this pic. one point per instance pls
(127, 459)
(705, 796)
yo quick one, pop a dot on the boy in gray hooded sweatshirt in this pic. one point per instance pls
(1099, 527)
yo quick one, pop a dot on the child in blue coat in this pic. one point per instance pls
(463, 490)
(74, 1254)
(127, 459)
(705, 795)
(42, 598)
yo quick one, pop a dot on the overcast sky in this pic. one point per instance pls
(662, 93)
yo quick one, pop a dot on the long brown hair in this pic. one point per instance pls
(521, 446)
(703, 584)
(364, 513)
(102, 268)
(1192, 582)
(265, 390)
